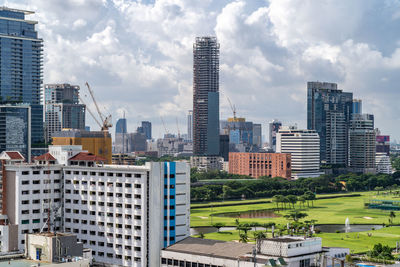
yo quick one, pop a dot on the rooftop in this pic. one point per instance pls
(11, 155)
(222, 249)
(45, 157)
(86, 156)
(26, 12)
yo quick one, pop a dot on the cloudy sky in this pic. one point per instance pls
(137, 55)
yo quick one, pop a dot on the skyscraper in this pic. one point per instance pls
(121, 137)
(362, 144)
(206, 96)
(145, 129)
(21, 55)
(274, 127)
(257, 140)
(357, 106)
(190, 125)
(62, 108)
(329, 112)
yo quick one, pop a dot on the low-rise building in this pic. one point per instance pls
(260, 164)
(281, 251)
(383, 163)
(206, 163)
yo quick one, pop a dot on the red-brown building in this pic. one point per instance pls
(260, 164)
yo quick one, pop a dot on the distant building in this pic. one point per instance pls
(206, 163)
(329, 113)
(98, 143)
(137, 142)
(190, 126)
(260, 164)
(145, 129)
(62, 108)
(383, 163)
(357, 106)
(15, 128)
(121, 138)
(274, 127)
(257, 135)
(170, 145)
(206, 96)
(240, 133)
(382, 143)
(303, 146)
(290, 251)
(362, 144)
(224, 146)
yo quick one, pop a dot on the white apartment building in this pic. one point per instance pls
(29, 191)
(124, 214)
(383, 163)
(304, 147)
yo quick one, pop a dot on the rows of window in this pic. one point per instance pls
(98, 223)
(47, 181)
(102, 204)
(100, 213)
(109, 174)
(117, 256)
(108, 184)
(101, 193)
(38, 191)
(38, 201)
(172, 262)
(36, 172)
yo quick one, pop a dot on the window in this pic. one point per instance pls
(36, 221)
(110, 255)
(118, 184)
(25, 212)
(137, 175)
(25, 182)
(110, 174)
(36, 211)
(57, 171)
(36, 172)
(128, 175)
(67, 181)
(26, 192)
(25, 222)
(138, 186)
(305, 263)
(68, 172)
(36, 181)
(25, 173)
(24, 202)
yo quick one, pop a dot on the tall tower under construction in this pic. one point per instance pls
(206, 96)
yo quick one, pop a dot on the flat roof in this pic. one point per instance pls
(208, 247)
(26, 12)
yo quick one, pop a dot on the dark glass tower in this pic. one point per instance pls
(206, 96)
(329, 113)
(21, 56)
(145, 129)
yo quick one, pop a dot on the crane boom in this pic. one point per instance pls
(165, 128)
(94, 101)
(90, 112)
(232, 107)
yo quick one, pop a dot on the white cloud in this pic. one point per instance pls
(137, 55)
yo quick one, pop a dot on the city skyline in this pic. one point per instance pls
(263, 55)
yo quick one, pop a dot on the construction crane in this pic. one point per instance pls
(165, 128)
(233, 107)
(105, 121)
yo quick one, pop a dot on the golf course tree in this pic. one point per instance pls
(218, 225)
(278, 199)
(292, 200)
(392, 215)
(381, 252)
(309, 196)
(295, 215)
(243, 237)
(378, 189)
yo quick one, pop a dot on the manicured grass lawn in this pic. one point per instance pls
(361, 242)
(325, 211)
(357, 242)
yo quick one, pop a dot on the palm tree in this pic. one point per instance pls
(392, 215)
(243, 238)
(258, 236)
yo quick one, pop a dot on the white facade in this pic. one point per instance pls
(206, 163)
(383, 164)
(63, 153)
(125, 214)
(31, 191)
(304, 147)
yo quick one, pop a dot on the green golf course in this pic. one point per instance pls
(332, 209)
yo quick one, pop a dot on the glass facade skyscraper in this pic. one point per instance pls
(329, 112)
(206, 96)
(21, 56)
